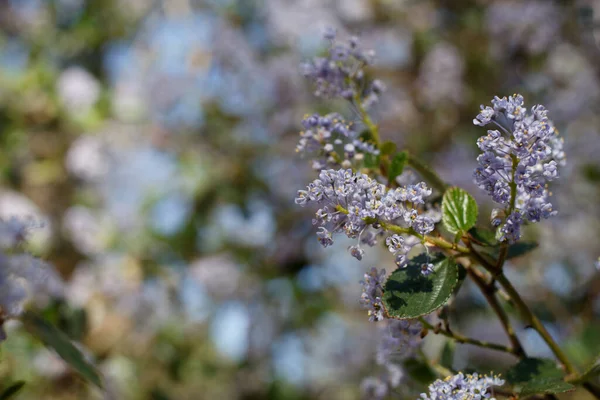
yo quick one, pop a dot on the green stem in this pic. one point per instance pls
(489, 293)
(531, 319)
(511, 208)
(466, 340)
(364, 115)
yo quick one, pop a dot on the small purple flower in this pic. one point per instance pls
(427, 269)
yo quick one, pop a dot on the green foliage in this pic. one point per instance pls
(371, 160)
(515, 250)
(12, 390)
(520, 249)
(447, 356)
(459, 210)
(388, 148)
(409, 294)
(537, 376)
(58, 341)
(583, 346)
(483, 237)
(420, 371)
(397, 165)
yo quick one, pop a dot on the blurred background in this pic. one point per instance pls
(155, 141)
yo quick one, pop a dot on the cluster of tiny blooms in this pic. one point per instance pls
(518, 160)
(353, 203)
(332, 142)
(462, 387)
(22, 276)
(372, 293)
(341, 73)
(399, 341)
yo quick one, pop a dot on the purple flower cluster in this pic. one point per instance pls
(399, 341)
(518, 160)
(341, 73)
(333, 141)
(353, 203)
(460, 387)
(372, 293)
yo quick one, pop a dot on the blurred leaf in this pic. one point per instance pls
(520, 249)
(462, 275)
(459, 210)
(57, 340)
(409, 294)
(590, 371)
(447, 356)
(483, 237)
(11, 391)
(584, 345)
(371, 160)
(419, 371)
(537, 376)
(388, 148)
(514, 251)
(366, 136)
(397, 165)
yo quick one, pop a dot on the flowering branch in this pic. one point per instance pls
(518, 160)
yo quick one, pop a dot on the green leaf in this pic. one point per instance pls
(366, 136)
(584, 345)
(419, 371)
(409, 294)
(397, 165)
(11, 391)
(520, 249)
(459, 210)
(388, 148)
(483, 237)
(589, 372)
(447, 356)
(371, 160)
(537, 376)
(462, 275)
(57, 340)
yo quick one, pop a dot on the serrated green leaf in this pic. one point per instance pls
(537, 376)
(520, 249)
(459, 210)
(397, 165)
(483, 237)
(387, 148)
(409, 294)
(11, 391)
(52, 337)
